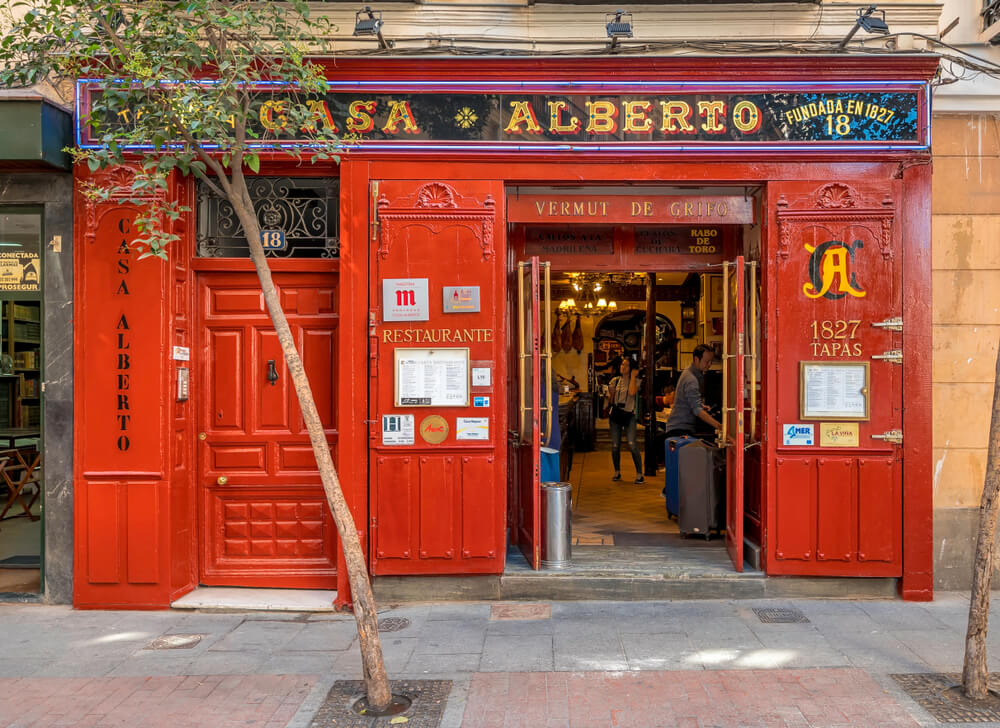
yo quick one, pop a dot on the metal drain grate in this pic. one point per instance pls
(938, 693)
(393, 624)
(175, 642)
(780, 615)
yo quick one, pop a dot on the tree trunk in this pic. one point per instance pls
(373, 665)
(974, 670)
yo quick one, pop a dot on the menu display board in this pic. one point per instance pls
(833, 390)
(432, 377)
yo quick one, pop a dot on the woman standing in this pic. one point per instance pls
(623, 392)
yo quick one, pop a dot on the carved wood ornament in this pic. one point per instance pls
(436, 207)
(837, 202)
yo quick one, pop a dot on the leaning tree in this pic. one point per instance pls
(181, 83)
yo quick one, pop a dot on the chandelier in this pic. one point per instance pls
(587, 288)
(590, 297)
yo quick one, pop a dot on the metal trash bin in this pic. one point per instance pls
(556, 525)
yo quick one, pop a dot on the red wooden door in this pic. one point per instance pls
(835, 486)
(264, 518)
(734, 381)
(436, 461)
(528, 441)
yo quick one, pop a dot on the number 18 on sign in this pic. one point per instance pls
(272, 239)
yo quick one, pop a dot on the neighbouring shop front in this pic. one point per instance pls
(36, 400)
(444, 283)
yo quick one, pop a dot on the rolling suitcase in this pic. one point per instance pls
(671, 448)
(702, 489)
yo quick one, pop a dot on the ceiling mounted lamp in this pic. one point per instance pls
(368, 22)
(869, 22)
(618, 25)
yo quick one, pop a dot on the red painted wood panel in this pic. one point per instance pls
(144, 532)
(478, 506)
(438, 519)
(450, 235)
(837, 253)
(103, 532)
(880, 512)
(794, 531)
(395, 505)
(836, 486)
(263, 524)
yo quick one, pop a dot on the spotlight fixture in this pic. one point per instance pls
(618, 25)
(869, 22)
(370, 25)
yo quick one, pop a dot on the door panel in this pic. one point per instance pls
(835, 292)
(735, 400)
(264, 518)
(529, 414)
(431, 512)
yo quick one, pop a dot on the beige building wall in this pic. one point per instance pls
(966, 320)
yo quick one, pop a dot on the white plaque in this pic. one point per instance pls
(405, 299)
(432, 377)
(472, 428)
(834, 390)
(182, 353)
(397, 429)
(480, 376)
(798, 434)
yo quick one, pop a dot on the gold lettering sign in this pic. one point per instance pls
(437, 336)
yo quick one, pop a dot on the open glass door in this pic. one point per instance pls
(532, 299)
(733, 401)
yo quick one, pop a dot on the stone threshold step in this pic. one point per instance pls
(632, 587)
(219, 598)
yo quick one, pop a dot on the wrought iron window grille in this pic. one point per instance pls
(306, 209)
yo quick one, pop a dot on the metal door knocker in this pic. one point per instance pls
(272, 373)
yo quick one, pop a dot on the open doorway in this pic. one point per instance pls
(654, 313)
(617, 471)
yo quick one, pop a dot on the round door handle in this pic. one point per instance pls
(202, 436)
(222, 480)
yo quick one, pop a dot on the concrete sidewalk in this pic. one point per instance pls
(697, 663)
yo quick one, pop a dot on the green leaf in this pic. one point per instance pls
(253, 162)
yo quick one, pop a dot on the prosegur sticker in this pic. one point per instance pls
(472, 428)
(397, 429)
(798, 435)
(480, 401)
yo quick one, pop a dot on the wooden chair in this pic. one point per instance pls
(19, 468)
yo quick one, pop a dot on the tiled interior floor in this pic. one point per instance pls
(623, 528)
(619, 513)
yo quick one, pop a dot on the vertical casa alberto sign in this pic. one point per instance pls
(880, 115)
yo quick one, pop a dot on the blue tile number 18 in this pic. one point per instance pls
(272, 239)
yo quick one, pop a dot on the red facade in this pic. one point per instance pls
(220, 488)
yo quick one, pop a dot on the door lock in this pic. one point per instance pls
(894, 437)
(895, 356)
(890, 324)
(222, 480)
